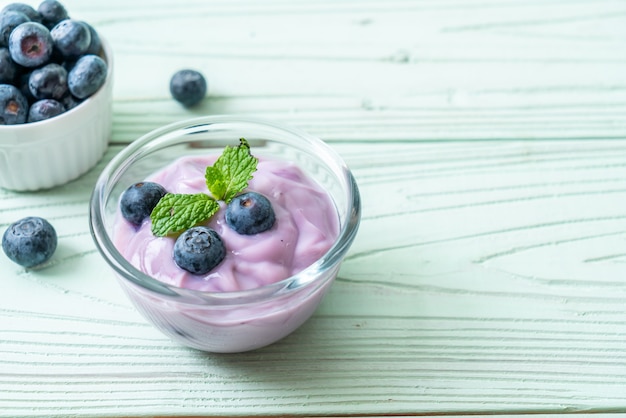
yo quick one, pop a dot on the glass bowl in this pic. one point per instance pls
(52, 152)
(233, 321)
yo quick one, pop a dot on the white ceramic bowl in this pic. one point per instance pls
(52, 152)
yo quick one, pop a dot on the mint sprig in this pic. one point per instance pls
(228, 176)
(231, 172)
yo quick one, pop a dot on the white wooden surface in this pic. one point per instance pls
(488, 276)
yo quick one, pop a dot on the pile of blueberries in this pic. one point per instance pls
(49, 62)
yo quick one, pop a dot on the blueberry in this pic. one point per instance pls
(48, 82)
(13, 105)
(198, 250)
(87, 76)
(8, 69)
(250, 213)
(70, 102)
(29, 11)
(52, 12)
(44, 109)
(30, 44)
(188, 87)
(30, 241)
(9, 20)
(139, 199)
(71, 38)
(95, 46)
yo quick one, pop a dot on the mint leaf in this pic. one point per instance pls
(177, 212)
(231, 172)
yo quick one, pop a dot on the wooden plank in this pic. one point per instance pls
(485, 277)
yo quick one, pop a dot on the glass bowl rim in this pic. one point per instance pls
(305, 278)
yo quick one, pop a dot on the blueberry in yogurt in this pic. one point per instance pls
(199, 250)
(250, 213)
(139, 200)
(29, 241)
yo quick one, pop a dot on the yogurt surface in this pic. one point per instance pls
(306, 227)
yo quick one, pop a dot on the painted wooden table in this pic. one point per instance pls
(488, 277)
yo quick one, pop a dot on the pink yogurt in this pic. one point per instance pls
(306, 227)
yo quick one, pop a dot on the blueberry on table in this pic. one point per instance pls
(8, 69)
(9, 20)
(44, 109)
(139, 200)
(48, 82)
(13, 105)
(30, 44)
(87, 76)
(188, 87)
(52, 12)
(199, 250)
(30, 241)
(250, 213)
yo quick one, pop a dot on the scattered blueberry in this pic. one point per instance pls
(48, 82)
(9, 20)
(198, 250)
(139, 199)
(30, 241)
(13, 105)
(52, 12)
(44, 109)
(29, 11)
(87, 76)
(188, 87)
(8, 69)
(30, 44)
(71, 38)
(250, 213)
(70, 102)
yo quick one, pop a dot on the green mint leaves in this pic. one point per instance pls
(228, 176)
(231, 172)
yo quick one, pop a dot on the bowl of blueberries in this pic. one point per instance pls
(55, 96)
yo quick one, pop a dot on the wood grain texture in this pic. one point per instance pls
(488, 139)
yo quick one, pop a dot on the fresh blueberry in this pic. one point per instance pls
(8, 69)
(13, 105)
(30, 241)
(198, 250)
(139, 199)
(9, 20)
(48, 82)
(95, 46)
(52, 12)
(70, 102)
(188, 87)
(71, 38)
(44, 109)
(30, 44)
(250, 213)
(23, 8)
(87, 76)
